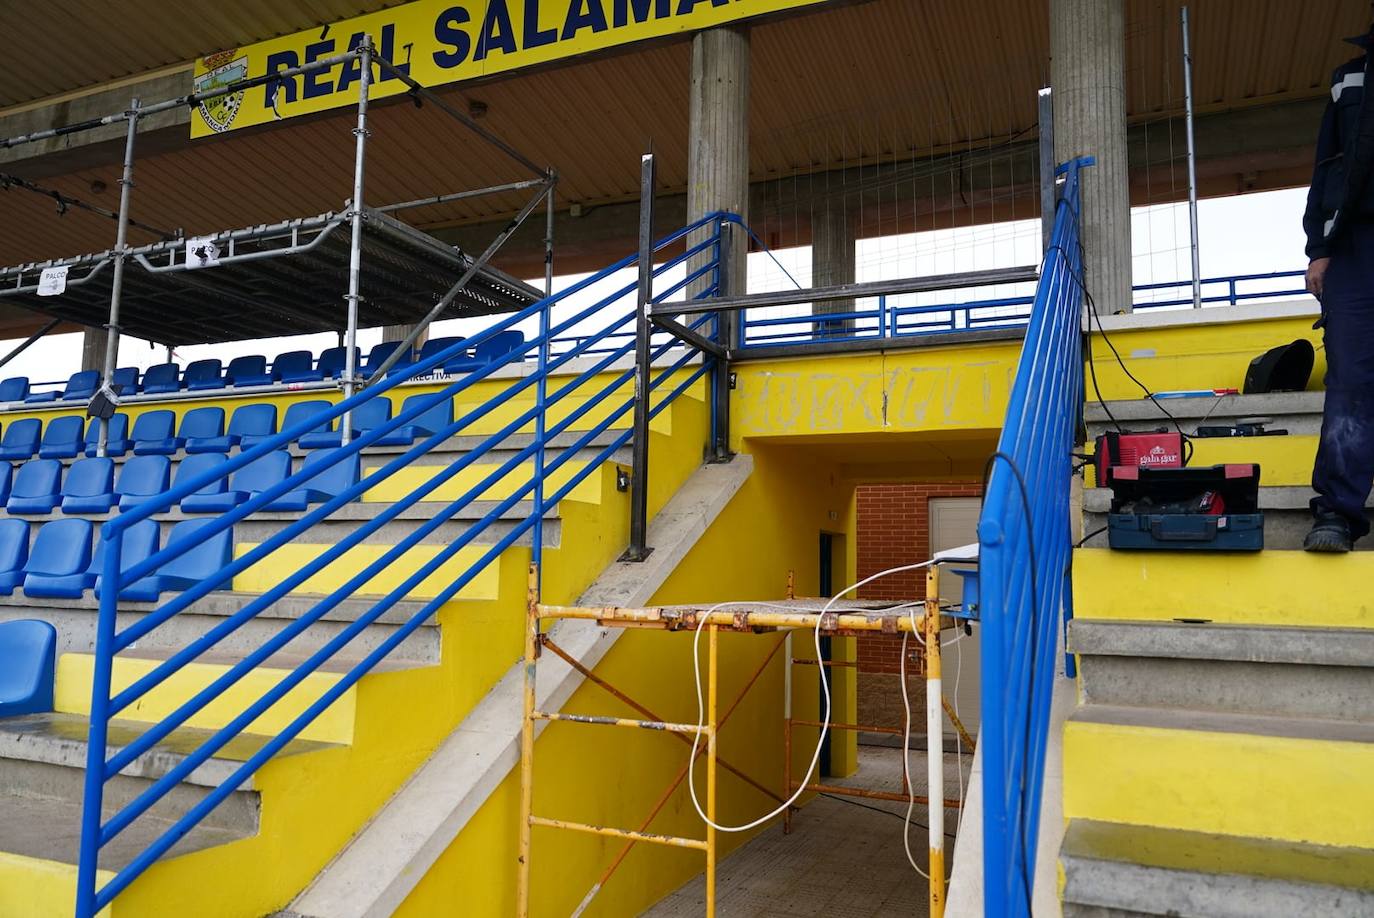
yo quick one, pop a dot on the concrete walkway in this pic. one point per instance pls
(841, 860)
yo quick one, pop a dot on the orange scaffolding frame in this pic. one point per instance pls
(849, 619)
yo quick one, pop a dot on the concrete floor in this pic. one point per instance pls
(840, 861)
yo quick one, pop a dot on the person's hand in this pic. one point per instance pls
(1316, 276)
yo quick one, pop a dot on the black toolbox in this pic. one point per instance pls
(1188, 509)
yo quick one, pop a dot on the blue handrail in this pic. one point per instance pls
(1024, 555)
(600, 349)
(887, 319)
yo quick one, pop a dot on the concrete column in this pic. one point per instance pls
(718, 139)
(1087, 73)
(832, 258)
(93, 348)
(399, 333)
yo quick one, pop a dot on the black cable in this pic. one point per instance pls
(1034, 642)
(1092, 535)
(877, 809)
(1092, 369)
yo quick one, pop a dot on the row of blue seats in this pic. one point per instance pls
(252, 370)
(202, 430)
(62, 565)
(90, 485)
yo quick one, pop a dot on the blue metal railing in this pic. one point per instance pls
(675, 375)
(1024, 556)
(887, 318)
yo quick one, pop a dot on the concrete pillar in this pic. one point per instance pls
(832, 258)
(399, 333)
(93, 342)
(718, 139)
(1087, 73)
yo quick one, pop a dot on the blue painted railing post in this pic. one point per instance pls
(98, 733)
(1026, 549)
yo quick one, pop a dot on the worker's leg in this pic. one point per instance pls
(1344, 470)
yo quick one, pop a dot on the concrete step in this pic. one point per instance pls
(1126, 870)
(1297, 412)
(258, 527)
(1257, 588)
(42, 770)
(75, 621)
(1299, 779)
(1245, 669)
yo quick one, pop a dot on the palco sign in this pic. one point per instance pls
(442, 41)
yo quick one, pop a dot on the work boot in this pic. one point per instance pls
(1330, 533)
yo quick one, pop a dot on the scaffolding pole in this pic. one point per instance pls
(935, 744)
(126, 185)
(355, 246)
(850, 618)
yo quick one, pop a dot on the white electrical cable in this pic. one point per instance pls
(825, 693)
(906, 761)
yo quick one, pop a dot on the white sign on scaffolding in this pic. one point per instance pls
(201, 252)
(53, 281)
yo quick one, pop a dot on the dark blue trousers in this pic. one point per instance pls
(1344, 471)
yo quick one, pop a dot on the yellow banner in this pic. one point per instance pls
(443, 41)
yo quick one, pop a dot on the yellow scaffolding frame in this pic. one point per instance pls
(851, 619)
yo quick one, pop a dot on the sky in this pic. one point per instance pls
(1245, 234)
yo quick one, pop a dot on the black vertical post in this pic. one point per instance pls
(639, 477)
(726, 338)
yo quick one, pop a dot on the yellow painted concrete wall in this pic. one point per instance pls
(613, 777)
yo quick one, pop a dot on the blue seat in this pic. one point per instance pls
(14, 389)
(164, 377)
(201, 424)
(59, 559)
(248, 370)
(116, 441)
(124, 380)
(254, 478)
(194, 466)
(21, 439)
(248, 426)
(432, 419)
(203, 561)
(63, 438)
(295, 367)
(376, 356)
(334, 360)
(89, 487)
(14, 552)
(141, 541)
(431, 348)
(326, 485)
(299, 412)
(152, 434)
(81, 385)
(6, 478)
(36, 487)
(141, 478)
(204, 374)
(489, 351)
(28, 658)
(370, 414)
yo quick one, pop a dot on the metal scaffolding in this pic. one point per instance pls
(411, 272)
(856, 619)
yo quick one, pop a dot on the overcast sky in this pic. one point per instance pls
(1247, 234)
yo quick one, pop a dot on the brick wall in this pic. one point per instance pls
(894, 529)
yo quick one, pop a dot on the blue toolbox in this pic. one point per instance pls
(1188, 509)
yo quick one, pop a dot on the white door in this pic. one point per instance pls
(954, 522)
